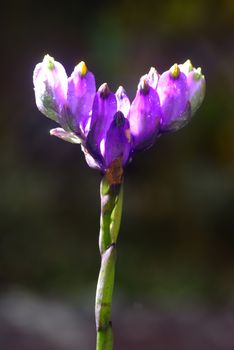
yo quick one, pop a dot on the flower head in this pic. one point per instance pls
(109, 128)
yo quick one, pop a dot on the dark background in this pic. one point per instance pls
(174, 285)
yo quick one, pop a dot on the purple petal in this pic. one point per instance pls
(50, 85)
(144, 117)
(174, 98)
(123, 103)
(118, 140)
(104, 109)
(80, 96)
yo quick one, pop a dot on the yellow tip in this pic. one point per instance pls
(49, 62)
(175, 71)
(82, 68)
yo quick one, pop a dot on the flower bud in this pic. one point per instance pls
(197, 88)
(144, 116)
(118, 140)
(50, 86)
(173, 93)
(103, 111)
(80, 96)
(196, 84)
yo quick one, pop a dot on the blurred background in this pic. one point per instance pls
(174, 284)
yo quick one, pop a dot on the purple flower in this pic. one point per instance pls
(80, 96)
(109, 135)
(144, 116)
(109, 128)
(173, 92)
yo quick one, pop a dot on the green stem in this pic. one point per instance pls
(111, 210)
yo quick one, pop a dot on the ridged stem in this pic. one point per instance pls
(111, 210)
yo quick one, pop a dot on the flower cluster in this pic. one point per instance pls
(109, 128)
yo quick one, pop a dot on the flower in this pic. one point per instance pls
(109, 128)
(109, 136)
(50, 85)
(173, 93)
(144, 115)
(80, 96)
